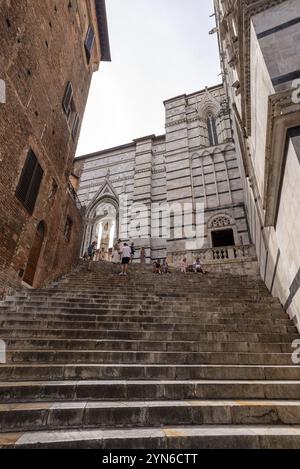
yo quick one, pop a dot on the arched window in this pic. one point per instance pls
(212, 130)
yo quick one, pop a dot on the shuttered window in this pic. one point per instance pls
(68, 99)
(29, 183)
(89, 43)
(75, 127)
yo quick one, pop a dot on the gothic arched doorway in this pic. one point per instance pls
(102, 226)
(34, 254)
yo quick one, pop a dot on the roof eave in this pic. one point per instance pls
(103, 30)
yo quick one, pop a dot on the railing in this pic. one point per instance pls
(215, 255)
(75, 197)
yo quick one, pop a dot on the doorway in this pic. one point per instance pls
(222, 238)
(34, 254)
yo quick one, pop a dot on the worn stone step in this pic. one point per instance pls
(113, 356)
(177, 437)
(146, 390)
(204, 318)
(87, 334)
(140, 316)
(123, 414)
(131, 326)
(139, 345)
(87, 371)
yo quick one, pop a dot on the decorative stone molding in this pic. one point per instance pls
(244, 11)
(282, 115)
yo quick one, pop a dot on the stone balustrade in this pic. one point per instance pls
(227, 258)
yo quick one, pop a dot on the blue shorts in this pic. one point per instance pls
(126, 260)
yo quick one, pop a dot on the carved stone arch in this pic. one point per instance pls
(220, 220)
(106, 190)
(205, 153)
(228, 147)
(108, 199)
(106, 195)
(208, 105)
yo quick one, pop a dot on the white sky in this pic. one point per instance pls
(160, 49)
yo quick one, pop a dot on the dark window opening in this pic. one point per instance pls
(68, 229)
(212, 131)
(29, 183)
(222, 238)
(89, 43)
(71, 112)
(67, 101)
(34, 254)
(75, 127)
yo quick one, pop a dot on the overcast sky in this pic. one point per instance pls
(160, 49)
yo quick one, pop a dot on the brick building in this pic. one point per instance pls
(49, 51)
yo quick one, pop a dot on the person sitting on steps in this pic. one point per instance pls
(157, 267)
(198, 267)
(165, 267)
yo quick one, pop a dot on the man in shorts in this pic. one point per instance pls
(126, 257)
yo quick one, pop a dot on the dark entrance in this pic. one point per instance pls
(34, 254)
(222, 238)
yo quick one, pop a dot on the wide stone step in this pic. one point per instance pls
(146, 390)
(135, 326)
(139, 345)
(151, 357)
(203, 303)
(177, 437)
(87, 371)
(184, 318)
(145, 316)
(88, 334)
(124, 414)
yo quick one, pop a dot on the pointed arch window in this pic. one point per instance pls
(212, 131)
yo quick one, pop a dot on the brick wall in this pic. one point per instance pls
(42, 48)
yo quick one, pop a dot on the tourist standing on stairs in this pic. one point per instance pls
(126, 257)
(116, 254)
(183, 266)
(91, 253)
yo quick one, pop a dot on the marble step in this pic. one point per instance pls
(139, 345)
(203, 303)
(147, 357)
(111, 334)
(44, 391)
(172, 437)
(51, 416)
(140, 315)
(217, 326)
(184, 319)
(87, 371)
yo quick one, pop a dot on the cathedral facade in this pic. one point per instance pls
(193, 165)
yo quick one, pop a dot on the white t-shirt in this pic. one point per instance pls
(126, 251)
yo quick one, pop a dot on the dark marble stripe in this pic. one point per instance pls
(278, 28)
(293, 290)
(285, 78)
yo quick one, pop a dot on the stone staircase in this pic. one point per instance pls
(144, 361)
